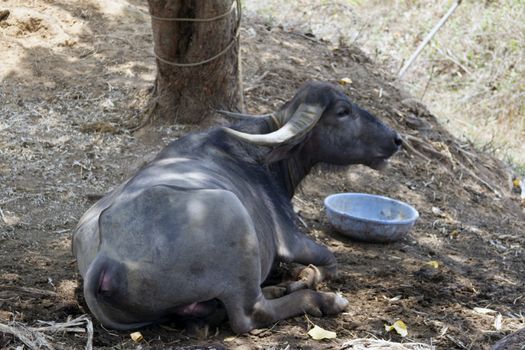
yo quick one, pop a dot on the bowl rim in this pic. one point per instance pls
(388, 222)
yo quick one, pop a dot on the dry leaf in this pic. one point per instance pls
(484, 311)
(433, 263)
(318, 333)
(136, 336)
(345, 81)
(399, 326)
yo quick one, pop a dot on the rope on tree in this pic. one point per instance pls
(235, 4)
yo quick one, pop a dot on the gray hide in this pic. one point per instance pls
(204, 222)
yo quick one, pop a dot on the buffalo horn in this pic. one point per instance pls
(241, 115)
(303, 120)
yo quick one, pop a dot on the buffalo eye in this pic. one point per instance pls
(343, 112)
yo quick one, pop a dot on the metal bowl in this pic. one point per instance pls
(368, 217)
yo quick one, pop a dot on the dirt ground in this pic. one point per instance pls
(75, 80)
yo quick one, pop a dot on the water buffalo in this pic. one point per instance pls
(205, 221)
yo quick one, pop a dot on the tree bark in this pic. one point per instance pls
(190, 94)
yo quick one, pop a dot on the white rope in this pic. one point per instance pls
(222, 52)
(211, 19)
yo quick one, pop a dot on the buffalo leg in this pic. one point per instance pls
(256, 311)
(319, 260)
(272, 292)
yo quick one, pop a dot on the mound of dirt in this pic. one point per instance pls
(75, 84)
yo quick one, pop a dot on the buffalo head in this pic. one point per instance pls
(328, 127)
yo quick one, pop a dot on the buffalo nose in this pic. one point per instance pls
(398, 141)
(106, 278)
(105, 284)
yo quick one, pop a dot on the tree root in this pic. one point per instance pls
(148, 114)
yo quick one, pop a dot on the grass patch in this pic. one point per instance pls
(471, 76)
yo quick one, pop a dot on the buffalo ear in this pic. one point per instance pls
(279, 153)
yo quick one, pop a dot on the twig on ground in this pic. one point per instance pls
(89, 329)
(424, 145)
(428, 38)
(359, 33)
(461, 148)
(452, 59)
(474, 160)
(255, 84)
(410, 148)
(34, 337)
(430, 77)
(477, 178)
(32, 340)
(427, 148)
(468, 156)
(304, 36)
(364, 344)
(29, 290)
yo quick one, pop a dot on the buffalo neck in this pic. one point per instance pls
(288, 172)
(293, 170)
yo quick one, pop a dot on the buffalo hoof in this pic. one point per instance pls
(329, 304)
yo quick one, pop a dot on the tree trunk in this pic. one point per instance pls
(198, 65)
